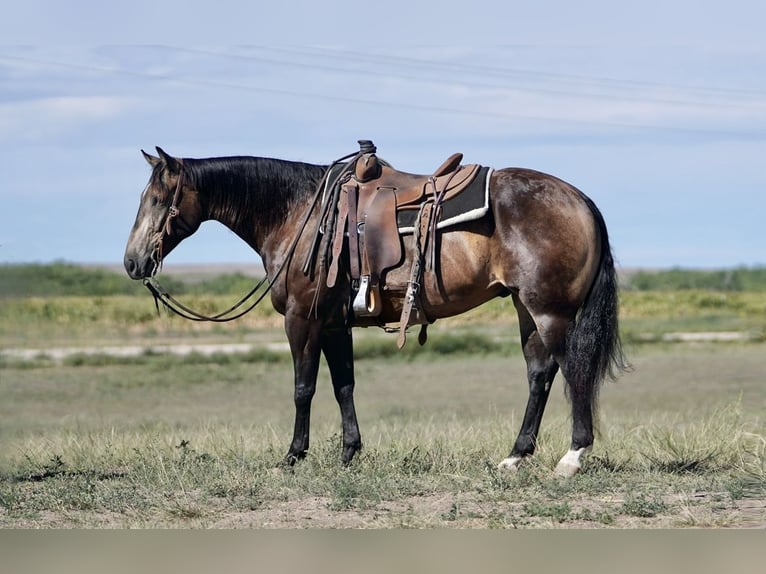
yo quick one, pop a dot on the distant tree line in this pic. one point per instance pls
(66, 279)
(737, 279)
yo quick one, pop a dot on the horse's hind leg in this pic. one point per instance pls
(337, 346)
(582, 423)
(541, 370)
(555, 331)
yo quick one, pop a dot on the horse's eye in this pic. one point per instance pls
(153, 200)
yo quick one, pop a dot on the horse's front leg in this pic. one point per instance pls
(338, 349)
(304, 338)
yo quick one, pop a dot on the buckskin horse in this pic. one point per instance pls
(541, 241)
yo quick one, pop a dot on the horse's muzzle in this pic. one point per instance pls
(138, 269)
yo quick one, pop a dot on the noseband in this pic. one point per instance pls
(167, 226)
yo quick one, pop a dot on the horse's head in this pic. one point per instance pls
(169, 212)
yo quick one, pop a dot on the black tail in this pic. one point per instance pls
(593, 347)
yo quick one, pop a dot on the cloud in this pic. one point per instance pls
(46, 118)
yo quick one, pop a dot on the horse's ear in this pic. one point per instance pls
(153, 161)
(172, 163)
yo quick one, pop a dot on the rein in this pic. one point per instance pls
(161, 295)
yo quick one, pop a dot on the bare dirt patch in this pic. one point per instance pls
(465, 510)
(438, 510)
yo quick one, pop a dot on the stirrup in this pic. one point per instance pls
(367, 302)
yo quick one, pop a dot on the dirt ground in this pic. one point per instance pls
(444, 510)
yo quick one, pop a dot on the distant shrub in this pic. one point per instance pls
(226, 284)
(68, 279)
(56, 279)
(738, 279)
(442, 344)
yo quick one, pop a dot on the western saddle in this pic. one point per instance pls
(362, 210)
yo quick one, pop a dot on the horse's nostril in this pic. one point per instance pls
(130, 265)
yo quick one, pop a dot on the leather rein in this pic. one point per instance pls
(161, 295)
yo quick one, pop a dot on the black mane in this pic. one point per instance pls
(238, 186)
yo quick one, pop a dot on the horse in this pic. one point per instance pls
(542, 242)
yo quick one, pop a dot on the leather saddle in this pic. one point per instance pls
(367, 208)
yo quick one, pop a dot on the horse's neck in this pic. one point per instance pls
(255, 197)
(227, 209)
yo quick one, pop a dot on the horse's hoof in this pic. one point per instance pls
(567, 470)
(348, 454)
(293, 457)
(570, 464)
(510, 464)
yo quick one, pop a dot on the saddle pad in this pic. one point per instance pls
(471, 204)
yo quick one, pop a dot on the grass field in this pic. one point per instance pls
(163, 441)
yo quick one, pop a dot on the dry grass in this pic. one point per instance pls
(162, 441)
(199, 445)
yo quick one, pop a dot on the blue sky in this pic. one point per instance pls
(657, 112)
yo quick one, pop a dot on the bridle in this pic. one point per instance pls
(167, 225)
(161, 295)
(236, 311)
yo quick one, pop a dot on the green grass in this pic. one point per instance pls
(63, 321)
(656, 313)
(67, 279)
(52, 321)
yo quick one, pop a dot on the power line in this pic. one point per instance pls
(456, 75)
(500, 71)
(430, 108)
